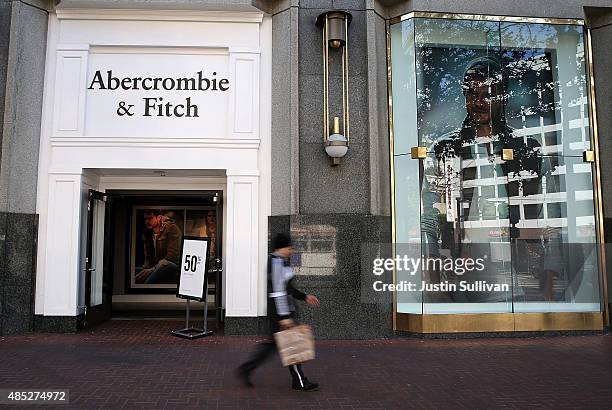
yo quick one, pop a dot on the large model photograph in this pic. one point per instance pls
(504, 130)
(156, 236)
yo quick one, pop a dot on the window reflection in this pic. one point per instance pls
(497, 86)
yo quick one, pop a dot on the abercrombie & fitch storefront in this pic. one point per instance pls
(156, 125)
(465, 193)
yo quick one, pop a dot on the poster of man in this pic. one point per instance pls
(157, 233)
(478, 202)
(162, 247)
(209, 230)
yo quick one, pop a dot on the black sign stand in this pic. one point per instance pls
(189, 332)
(192, 332)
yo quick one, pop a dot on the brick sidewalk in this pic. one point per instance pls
(136, 364)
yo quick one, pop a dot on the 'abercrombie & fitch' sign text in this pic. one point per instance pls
(156, 106)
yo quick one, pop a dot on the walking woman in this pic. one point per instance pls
(281, 311)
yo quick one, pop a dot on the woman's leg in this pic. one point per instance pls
(262, 352)
(297, 374)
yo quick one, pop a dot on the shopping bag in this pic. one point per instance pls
(295, 345)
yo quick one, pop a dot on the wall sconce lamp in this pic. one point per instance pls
(335, 36)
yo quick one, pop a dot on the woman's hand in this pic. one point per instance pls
(286, 324)
(312, 300)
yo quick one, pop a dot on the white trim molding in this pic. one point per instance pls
(159, 15)
(154, 142)
(62, 270)
(242, 236)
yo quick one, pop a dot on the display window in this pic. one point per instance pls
(501, 109)
(156, 236)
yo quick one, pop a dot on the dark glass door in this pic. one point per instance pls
(216, 265)
(98, 292)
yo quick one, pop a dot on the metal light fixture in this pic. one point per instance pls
(336, 145)
(335, 36)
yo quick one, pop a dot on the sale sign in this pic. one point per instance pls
(194, 262)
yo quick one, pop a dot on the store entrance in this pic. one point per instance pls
(141, 244)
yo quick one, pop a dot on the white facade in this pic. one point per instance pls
(89, 142)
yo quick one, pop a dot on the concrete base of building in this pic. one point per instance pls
(245, 326)
(58, 324)
(18, 234)
(493, 335)
(500, 322)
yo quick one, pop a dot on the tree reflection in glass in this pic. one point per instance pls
(484, 93)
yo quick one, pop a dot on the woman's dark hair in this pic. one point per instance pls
(280, 240)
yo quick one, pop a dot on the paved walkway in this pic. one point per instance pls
(136, 364)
